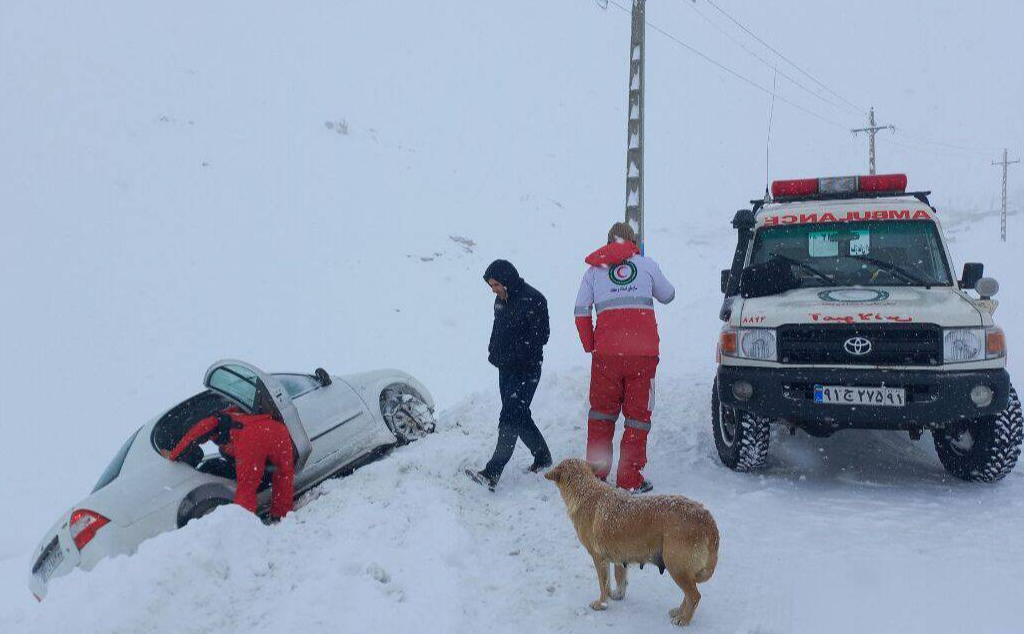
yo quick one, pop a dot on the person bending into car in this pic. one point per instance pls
(253, 440)
(516, 348)
(622, 285)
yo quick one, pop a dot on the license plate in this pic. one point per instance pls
(842, 395)
(53, 559)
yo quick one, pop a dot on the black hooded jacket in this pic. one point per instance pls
(520, 323)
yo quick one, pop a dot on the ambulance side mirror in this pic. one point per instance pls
(725, 280)
(973, 271)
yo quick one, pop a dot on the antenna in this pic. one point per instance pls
(768, 142)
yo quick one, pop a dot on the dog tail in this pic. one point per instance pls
(710, 559)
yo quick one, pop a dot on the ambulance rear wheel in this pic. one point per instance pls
(741, 437)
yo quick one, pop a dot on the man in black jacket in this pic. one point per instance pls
(517, 349)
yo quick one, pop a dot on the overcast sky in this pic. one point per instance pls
(944, 73)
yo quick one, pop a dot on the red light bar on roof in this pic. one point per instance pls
(883, 183)
(839, 186)
(794, 188)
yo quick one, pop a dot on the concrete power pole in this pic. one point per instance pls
(635, 127)
(1002, 218)
(872, 129)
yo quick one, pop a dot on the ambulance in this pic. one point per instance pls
(842, 311)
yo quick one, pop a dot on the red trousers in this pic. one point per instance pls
(626, 384)
(255, 445)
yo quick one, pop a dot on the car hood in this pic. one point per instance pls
(852, 305)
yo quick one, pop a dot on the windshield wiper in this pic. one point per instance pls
(807, 267)
(893, 268)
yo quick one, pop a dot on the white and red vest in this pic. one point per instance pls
(622, 285)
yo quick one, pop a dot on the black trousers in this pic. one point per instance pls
(517, 387)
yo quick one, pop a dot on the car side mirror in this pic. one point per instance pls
(323, 377)
(973, 271)
(725, 280)
(986, 287)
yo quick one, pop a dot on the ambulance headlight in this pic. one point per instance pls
(961, 345)
(755, 343)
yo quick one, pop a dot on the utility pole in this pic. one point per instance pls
(635, 127)
(872, 129)
(1002, 218)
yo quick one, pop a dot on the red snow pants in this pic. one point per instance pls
(626, 384)
(256, 444)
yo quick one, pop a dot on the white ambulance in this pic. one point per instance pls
(842, 311)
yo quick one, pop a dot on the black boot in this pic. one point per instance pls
(482, 479)
(540, 464)
(644, 487)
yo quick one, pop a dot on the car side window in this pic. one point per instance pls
(236, 382)
(297, 384)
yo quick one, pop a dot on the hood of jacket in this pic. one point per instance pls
(612, 254)
(503, 272)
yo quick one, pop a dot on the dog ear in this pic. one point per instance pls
(593, 468)
(554, 474)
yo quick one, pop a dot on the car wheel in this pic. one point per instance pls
(406, 414)
(984, 449)
(205, 507)
(740, 436)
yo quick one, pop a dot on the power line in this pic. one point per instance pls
(920, 138)
(952, 146)
(725, 68)
(774, 67)
(786, 59)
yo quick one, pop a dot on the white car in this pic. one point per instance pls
(336, 424)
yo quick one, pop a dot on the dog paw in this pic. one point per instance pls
(680, 620)
(598, 605)
(617, 595)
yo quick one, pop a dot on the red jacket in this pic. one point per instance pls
(622, 285)
(206, 429)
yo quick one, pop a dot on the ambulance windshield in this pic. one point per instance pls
(872, 253)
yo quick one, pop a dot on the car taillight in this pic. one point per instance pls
(84, 524)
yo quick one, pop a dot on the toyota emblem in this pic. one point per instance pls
(857, 346)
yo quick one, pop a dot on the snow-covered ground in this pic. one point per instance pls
(324, 185)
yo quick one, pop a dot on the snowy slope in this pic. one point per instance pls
(324, 185)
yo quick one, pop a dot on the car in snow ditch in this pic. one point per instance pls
(842, 311)
(337, 423)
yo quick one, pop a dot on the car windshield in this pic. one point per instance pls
(114, 468)
(878, 253)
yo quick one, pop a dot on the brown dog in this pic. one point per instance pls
(669, 531)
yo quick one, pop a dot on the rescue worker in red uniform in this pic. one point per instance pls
(253, 440)
(622, 285)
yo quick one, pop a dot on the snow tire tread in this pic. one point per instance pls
(1000, 455)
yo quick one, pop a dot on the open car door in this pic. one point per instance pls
(242, 383)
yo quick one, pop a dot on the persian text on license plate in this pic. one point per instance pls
(53, 559)
(841, 395)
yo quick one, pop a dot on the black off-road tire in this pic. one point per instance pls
(985, 449)
(740, 436)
